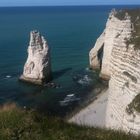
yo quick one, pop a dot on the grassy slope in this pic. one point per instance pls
(17, 124)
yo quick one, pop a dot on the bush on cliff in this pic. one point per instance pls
(134, 105)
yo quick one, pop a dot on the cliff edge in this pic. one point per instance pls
(119, 63)
(117, 55)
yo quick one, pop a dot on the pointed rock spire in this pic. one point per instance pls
(37, 68)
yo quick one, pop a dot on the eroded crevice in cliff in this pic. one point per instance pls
(100, 55)
(133, 79)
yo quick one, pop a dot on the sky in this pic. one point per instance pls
(65, 2)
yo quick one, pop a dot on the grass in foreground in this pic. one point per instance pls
(19, 124)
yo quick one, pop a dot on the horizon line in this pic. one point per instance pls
(70, 5)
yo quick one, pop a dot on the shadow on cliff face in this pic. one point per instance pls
(100, 55)
(57, 74)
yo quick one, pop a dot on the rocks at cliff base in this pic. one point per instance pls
(37, 69)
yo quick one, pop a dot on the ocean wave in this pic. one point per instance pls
(4, 77)
(86, 80)
(88, 69)
(8, 76)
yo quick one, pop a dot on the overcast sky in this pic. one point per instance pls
(65, 2)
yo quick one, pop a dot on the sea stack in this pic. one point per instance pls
(37, 69)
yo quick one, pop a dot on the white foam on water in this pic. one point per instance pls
(85, 80)
(8, 76)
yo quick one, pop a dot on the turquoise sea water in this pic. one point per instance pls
(71, 33)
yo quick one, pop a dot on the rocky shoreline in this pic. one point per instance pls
(90, 98)
(30, 80)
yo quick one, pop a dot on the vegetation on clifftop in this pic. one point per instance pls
(135, 19)
(21, 124)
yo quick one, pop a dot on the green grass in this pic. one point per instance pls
(134, 105)
(19, 124)
(135, 19)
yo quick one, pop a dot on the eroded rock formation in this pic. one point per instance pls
(37, 68)
(100, 55)
(120, 62)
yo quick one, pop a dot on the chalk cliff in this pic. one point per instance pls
(100, 55)
(37, 68)
(117, 53)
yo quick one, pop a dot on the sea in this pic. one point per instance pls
(71, 32)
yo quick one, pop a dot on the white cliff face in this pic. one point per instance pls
(37, 68)
(95, 55)
(100, 55)
(121, 64)
(123, 86)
